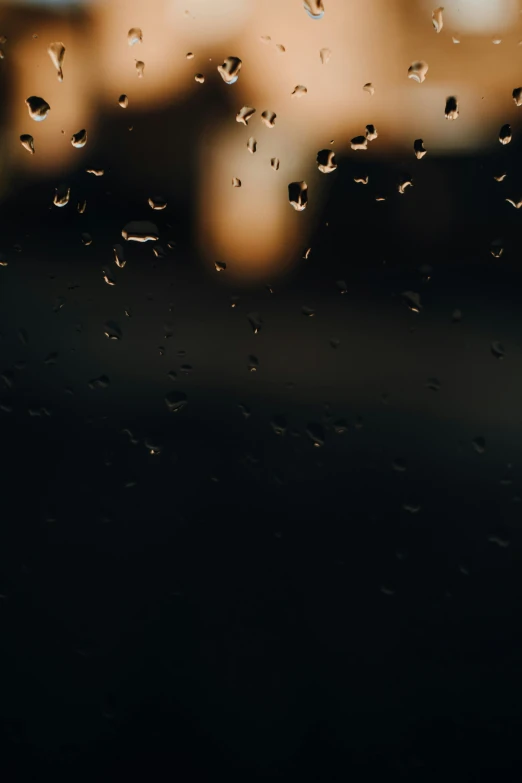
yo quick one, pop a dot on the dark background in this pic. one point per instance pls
(246, 604)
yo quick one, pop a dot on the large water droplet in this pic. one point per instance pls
(274, 162)
(229, 71)
(252, 145)
(79, 139)
(369, 88)
(451, 111)
(359, 143)
(134, 36)
(268, 118)
(504, 135)
(140, 68)
(325, 55)
(62, 195)
(56, 52)
(314, 8)
(27, 142)
(119, 258)
(417, 71)
(123, 101)
(517, 95)
(38, 108)
(140, 231)
(245, 114)
(326, 161)
(157, 203)
(371, 132)
(299, 91)
(437, 20)
(418, 148)
(298, 195)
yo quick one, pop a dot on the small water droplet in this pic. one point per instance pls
(236, 182)
(497, 349)
(62, 195)
(59, 302)
(86, 239)
(334, 343)
(279, 425)
(309, 312)
(504, 135)
(81, 206)
(27, 142)
(516, 204)
(56, 52)
(140, 68)
(326, 161)
(23, 336)
(157, 202)
(451, 110)
(496, 248)
(517, 95)
(362, 180)
(245, 114)
(418, 148)
(119, 258)
(405, 182)
(140, 231)
(95, 172)
(299, 91)
(433, 384)
(496, 41)
(255, 322)
(307, 253)
(79, 139)
(176, 401)
(123, 101)
(298, 195)
(38, 108)
(220, 266)
(325, 55)
(107, 279)
(134, 36)
(359, 143)
(417, 71)
(314, 8)
(268, 118)
(274, 162)
(199, 78)
(411, 508)
(189, 55)
(479, 444)
(112, 330)
(51, 358)
(369, 88)
(341, 286)
(246, 413)
(253, 363)
(455, 38)
(437, 20)
(252, 145)
(399, 465)
(266, 39)
(280, 48)
(316, 434)
(230, 69)
(499, 541)
(412, 301)
(500, 177)
(102, 382)
(371, 132)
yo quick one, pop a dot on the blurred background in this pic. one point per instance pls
(261, 473)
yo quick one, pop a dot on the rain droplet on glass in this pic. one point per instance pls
(119, 258)
(229, 71)
(308, 312)
(236, 182)
(255, 321)
(252, 145)
(280, 48)
(140, 231)
(299, 91)
(134, 36)
(451, 110)
(504, 135)
(81, 206)
(359, 143)
(437, 20)
(62, 195)
(371, 132)
(38, 108)
(316, 434)
(157, 203)
(496, 248)
(140, 67)
(479, 444)
(274, 162)
(369, 88)
(417, 71)
(412, 301)
(96, 172)
(79, 139)
(418, 149)
(268, 118)
(326, 161)
(102, 382)
(123, 101)
(27, 142)
(56, 52)
(298, 195)
(189, 55)
(325, 55)
(497, 349)
(362, 180)
(314, 8)
(245, 114)
(405, 183)
(112, 330)
(516, 204)
(517, 95)
(199, 78)
(86, 239)
(220, 266)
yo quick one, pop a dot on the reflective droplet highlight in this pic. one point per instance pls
(119, 258)
(504, 135)
(123, 101)
(325, 55)
(245, 114)
(199, 78)
(140, 231)
(38, 108)
(274, 162)
(437, 20)
(230, 69)
(326, 161)
(298, 195)
(314, 8)
(369, 88)
(299, 91)
(371, 132)
(418, 149)
(79, 139)
(516, 204)
(451, 111)
(56, 52)
(27, 142)
(517, 95)
(176, 401)
(417, 71)
(157, 203)
(62, 195)
(359, 143)
(134, 36)
(268, 118)
(403, 184)
(252, 145)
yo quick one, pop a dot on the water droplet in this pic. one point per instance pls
(500, 177)
(433, 384)
(119, 258)
(79, 139)
(253, 363)
(517, 95)
(307, 252)
(266, 39)
(359, 143)
(252, 145)
(516, 204)
(371, 132)
(405, 183)
(418, 148)
(369, 88)
(38, 108)
(496, 41)
(479, 444)
(268, 118)
(316, 434)
(362, 180)
(112, 330)
(314, 8)
(341, 286)
(56, 52)
(298, 195)
(451, 111)
(299, 90)
(199, 78)
(176, 401)
(81, 206)
(437, 20)
(274, 162)
(189, 55)
(309, 312)
(417, 71)
(326, 161)
(123, 101)
(496, 248)
(229, 71)
(59, 302)
(99, 383)
(62, 195)
(134, 36)
(279, 425)
(86, 239)
(27, 142)
(140, 231)
(455, 38)
(412, 300)
(497, 349)
(157, 202)
(280, 48)
(96, 172)
(325, 55)
(236, 182)
(255, 322)
(504, 135)
(245, 114)
(140, 68)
